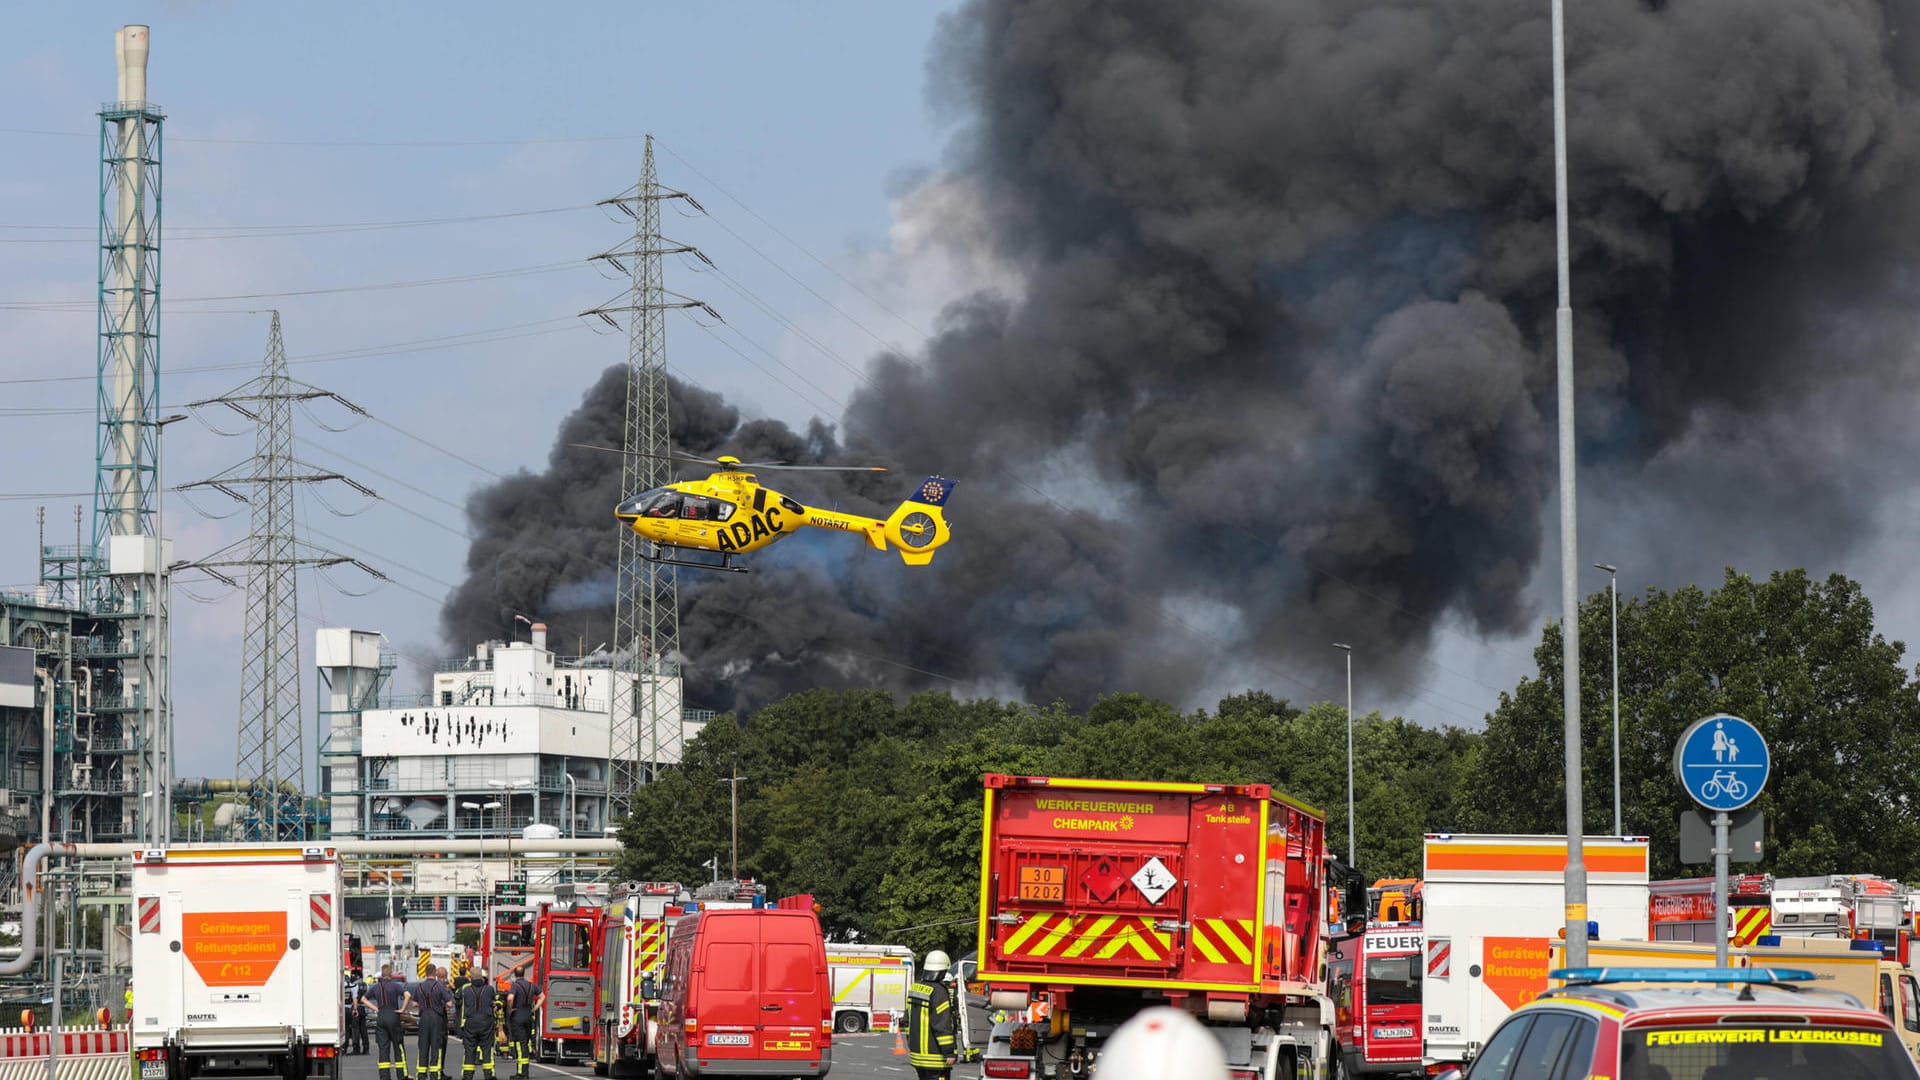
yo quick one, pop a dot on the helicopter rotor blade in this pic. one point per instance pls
(813, 468)
(736, 466)
(642, 453)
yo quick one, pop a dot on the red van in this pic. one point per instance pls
(745, 992)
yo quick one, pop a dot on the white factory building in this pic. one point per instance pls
(508, 737)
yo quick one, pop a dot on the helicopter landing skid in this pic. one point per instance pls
(659, 554)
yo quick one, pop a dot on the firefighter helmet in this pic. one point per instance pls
(1159, 1042)
(936, 963)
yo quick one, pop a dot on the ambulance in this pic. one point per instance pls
(1494, 905)
(236, 957)
(869, 985)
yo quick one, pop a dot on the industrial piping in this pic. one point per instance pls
(498, 845)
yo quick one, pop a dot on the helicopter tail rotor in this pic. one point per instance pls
(920, 525)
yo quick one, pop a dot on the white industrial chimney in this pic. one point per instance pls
(128, 312)
(130, 50)
(539, 635)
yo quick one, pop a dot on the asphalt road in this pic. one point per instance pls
(855, 1057)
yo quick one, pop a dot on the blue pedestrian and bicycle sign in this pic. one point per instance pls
(1722, 762)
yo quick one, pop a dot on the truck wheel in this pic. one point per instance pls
(1339, 1066)
(599, 1068)
(848, 1023)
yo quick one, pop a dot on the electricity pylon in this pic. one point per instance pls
(644, 730)
(272, 756)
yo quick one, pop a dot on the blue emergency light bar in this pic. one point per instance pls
(1592, 976)
(1855, 945)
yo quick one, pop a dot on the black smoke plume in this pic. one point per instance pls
(1279, 370)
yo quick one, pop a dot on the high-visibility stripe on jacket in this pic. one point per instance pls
(929, 1025)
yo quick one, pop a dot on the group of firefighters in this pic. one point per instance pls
(482, 1014)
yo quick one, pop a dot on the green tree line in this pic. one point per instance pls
(873, 805)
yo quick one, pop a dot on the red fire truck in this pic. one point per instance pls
(1681, 909)
(1375, 983)
(566, 969)
(633, 937)
(507, 941)
(1101, 898)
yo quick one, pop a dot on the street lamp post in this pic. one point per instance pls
(1576, 872)
(733, 798)
(572, 805)
(1348, 649)
(483, 808)
(161, 824)
(1613, 595)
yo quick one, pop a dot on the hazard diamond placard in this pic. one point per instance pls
(1153, 880)
(1102, 879)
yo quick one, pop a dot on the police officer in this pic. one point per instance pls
(356, 994)
(477, 1024)
(391, 998)
(930, 1027)
(523, 998)
(436, 1001)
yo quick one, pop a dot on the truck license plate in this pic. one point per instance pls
(153, 1070)
(715, 1038)
(1393, 1033)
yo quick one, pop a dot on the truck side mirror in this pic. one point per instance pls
(1354, 900)
(646, 987)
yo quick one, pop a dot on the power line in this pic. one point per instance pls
(420, 283)
(777, 231)
(399, 144)
(365, 352)
(260, 232)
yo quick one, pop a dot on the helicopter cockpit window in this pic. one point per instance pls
(660, 502)
(702, 508)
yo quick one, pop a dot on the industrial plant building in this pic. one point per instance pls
(507, 737)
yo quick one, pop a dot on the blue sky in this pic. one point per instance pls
(814, 118)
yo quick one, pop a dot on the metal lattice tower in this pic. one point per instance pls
(124, 573)
(272, 755)
(645, 728)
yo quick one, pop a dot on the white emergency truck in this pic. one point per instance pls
(236, 960)
(869, 985)
(1494, 906)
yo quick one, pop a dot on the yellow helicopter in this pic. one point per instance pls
(730, 513)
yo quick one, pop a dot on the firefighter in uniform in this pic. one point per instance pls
(930, 1027)
(436, 1000)
(477, 1025)
(523, 998)
(390, 998)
